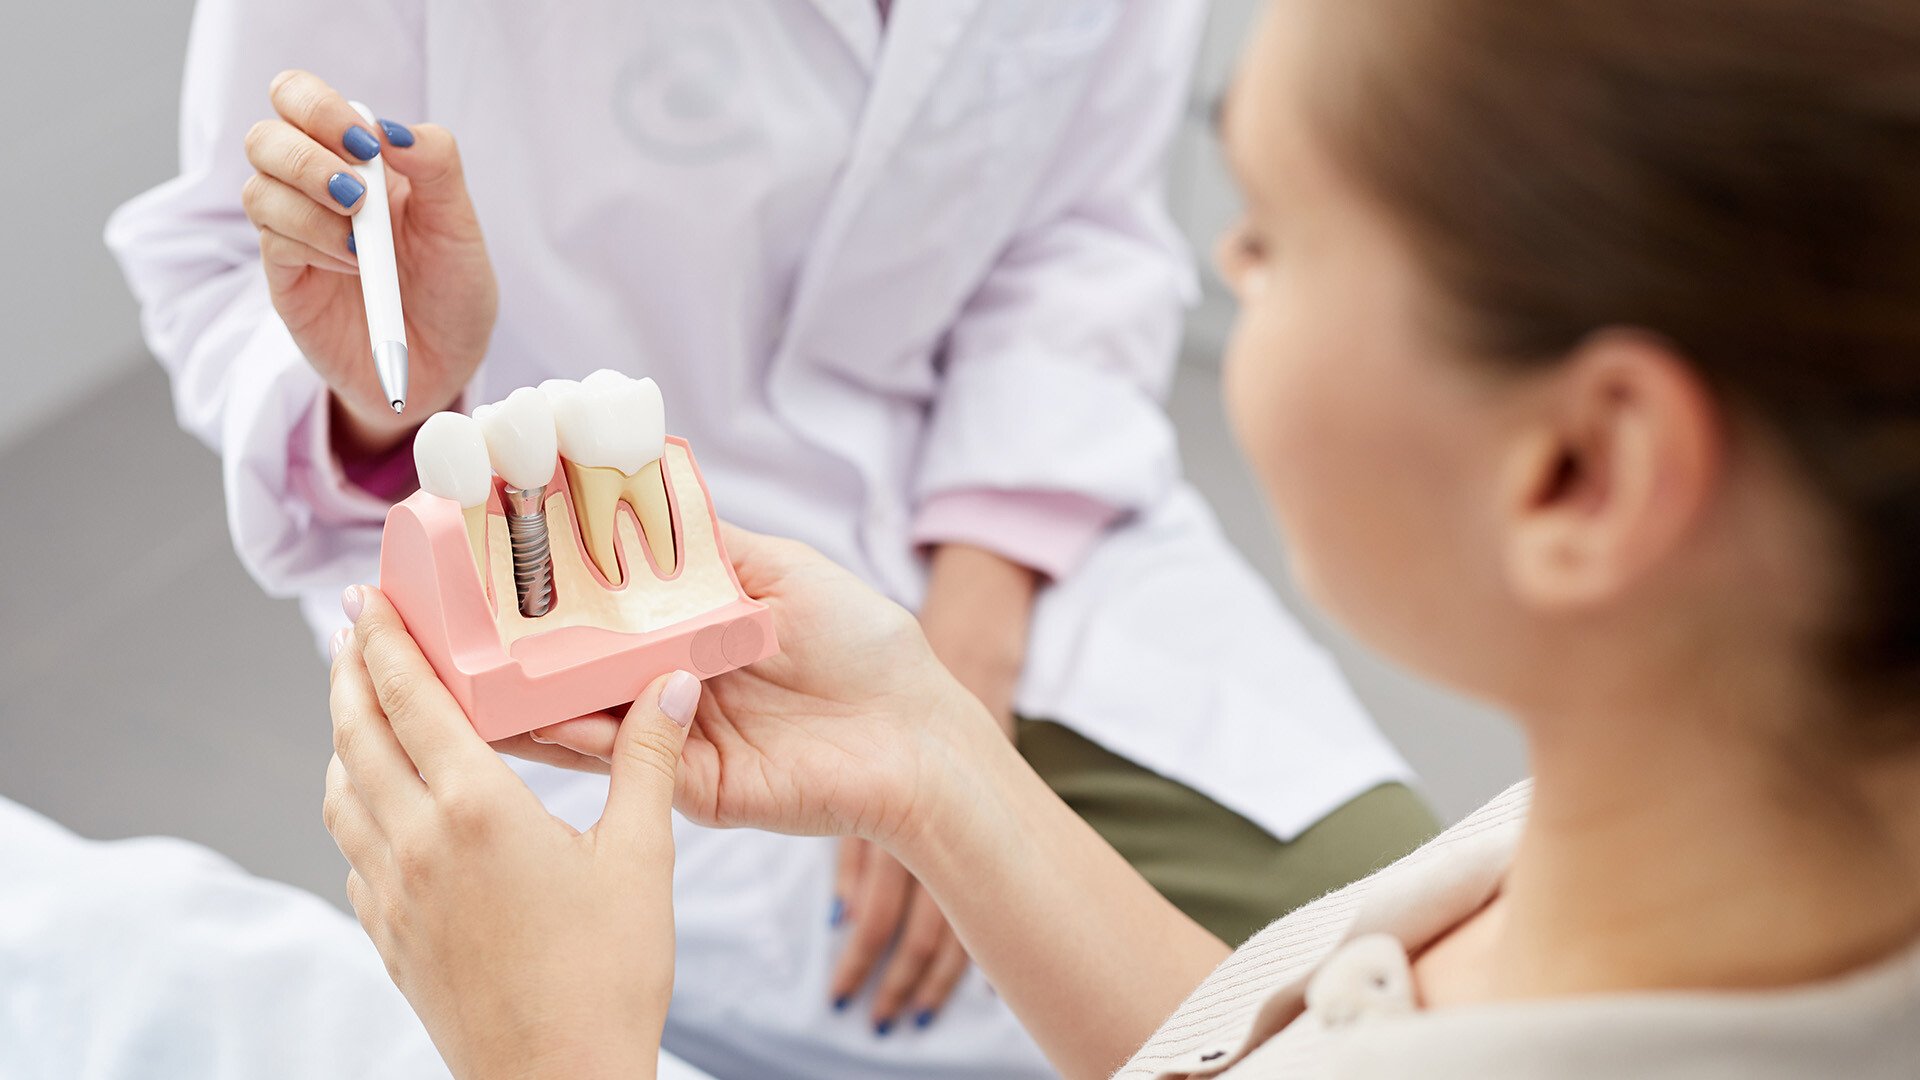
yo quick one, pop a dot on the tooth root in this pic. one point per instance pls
(596, 500)
(646, 492)
(477, 538)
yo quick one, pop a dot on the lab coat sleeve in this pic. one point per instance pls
(1048, 532)
(239, 382)
(1055, 371)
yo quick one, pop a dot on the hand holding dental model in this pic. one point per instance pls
(308, 188)
(855, 728)
(591, 567)
(456, 863)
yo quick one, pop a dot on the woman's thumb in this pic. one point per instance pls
(427, 155)
(646, 754)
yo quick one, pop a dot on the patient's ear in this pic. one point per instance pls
(1610, 474)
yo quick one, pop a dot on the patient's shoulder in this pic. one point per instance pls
(1260, 987)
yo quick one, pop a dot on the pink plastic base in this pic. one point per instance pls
(426, 569)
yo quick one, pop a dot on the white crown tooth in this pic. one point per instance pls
(648, 411)
(577, 425)
(450, 454)
(608, 420)
(566, 397)
(558, 389)
(521, 440)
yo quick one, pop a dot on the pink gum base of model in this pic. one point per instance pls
(427, 570)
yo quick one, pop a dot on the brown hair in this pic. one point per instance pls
(1739, 176)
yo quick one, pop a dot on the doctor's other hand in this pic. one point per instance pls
(895, 928)
(853, 729)
(975, 618)
(302, 196)
(526, 947)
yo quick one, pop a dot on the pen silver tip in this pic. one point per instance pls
(390, 363)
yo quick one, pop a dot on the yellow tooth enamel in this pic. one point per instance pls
(477, 537)
(646, 492)
(596, 501)
(597, 494)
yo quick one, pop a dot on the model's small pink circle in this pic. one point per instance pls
(708, 651)
(742, 643)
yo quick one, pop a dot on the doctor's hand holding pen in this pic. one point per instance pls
(530, 949)
(302, 196)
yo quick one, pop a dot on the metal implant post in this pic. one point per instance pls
(532, 561)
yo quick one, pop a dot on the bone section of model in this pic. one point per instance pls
(522, 446)
(450, 454)
(646, 603)
(612, 430)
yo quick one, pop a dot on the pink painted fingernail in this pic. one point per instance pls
(537, 737)
(351, 603)
(338, 642)
(679, 697)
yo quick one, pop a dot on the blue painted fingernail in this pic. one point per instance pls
(361, 143)
(882, 1028)
(397, 134)
(350, 246)
(840, 1003)
(839, 913)
(923, 1018)
(345, 189)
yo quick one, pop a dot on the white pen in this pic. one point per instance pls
(380, 275)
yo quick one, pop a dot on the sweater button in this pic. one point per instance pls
(1368, 976)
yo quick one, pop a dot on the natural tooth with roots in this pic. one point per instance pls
(450, 455)
(597, 495)
(646, 492)
(612, 431)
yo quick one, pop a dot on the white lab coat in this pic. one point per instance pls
(864, 271)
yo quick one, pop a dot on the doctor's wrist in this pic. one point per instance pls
(363, 442)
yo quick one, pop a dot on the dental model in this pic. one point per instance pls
(600, 565)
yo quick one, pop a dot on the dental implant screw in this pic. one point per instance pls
(532, 559)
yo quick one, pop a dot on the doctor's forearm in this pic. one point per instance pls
(976, 612)
(1089, 956)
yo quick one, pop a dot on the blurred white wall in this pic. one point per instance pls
(1199, 189)
(91, 89)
